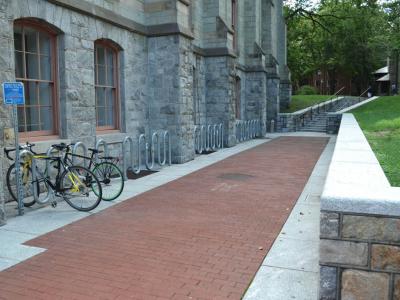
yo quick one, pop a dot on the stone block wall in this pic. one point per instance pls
(285, 93)
(273, 82)
(359, 223)
(171, 92)
(220, 79)
(333, 123)
(359, 256)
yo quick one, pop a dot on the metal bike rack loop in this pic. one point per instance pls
(84, 150)
(100, 143)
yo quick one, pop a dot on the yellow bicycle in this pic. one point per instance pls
(77, 185)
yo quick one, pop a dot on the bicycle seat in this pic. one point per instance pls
(95, 151)
(60, 147)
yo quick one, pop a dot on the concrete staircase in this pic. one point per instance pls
(317, 124)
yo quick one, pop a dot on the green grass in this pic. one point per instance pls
(380, 122)
(302, 101)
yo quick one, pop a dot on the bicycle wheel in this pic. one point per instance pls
(111, 179)
(80, 188)
(26, 181)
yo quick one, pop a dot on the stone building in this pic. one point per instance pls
(111, 68)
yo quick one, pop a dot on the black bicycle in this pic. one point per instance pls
(77, 185)
(106, 170)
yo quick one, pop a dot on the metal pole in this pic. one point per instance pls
(17, 163)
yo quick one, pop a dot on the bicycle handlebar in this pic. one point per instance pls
(28, 146)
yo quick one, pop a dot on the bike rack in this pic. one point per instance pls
(84, 150)
(100, 143)
(166, 139)
(208, 138)
(152, 151)
(247, 130)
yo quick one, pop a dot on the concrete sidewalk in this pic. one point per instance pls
(291, 268)
(179, 234)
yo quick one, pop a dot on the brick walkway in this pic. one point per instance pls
(200, 237)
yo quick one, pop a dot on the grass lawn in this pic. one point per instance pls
(380, 121)
(302, 101)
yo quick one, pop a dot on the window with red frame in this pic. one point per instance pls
(106, 86)
(35, 67)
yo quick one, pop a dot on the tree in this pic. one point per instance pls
(347, 37)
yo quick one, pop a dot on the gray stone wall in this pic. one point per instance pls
(255, 96)
(171, 96)
(359, 256)
(285, 93)
(272, 98)
(199, 91)
(220, 78)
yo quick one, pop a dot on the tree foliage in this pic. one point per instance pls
(348, 37)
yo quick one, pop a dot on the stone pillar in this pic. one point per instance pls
(285, 93)
(256, 97)
(7, 74)
(272, 99)
(77, 93)
(220, 78)
(170, 91)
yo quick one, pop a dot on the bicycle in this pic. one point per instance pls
(107, 171)
(25, 173)
(77, 185)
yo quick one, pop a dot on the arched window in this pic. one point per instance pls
(35, 67)
(106, 85)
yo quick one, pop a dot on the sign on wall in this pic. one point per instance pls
(13, 93)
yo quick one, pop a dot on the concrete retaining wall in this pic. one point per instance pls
(359, 225)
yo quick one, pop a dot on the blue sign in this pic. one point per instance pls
(13, 93)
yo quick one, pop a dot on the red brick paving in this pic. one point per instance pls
(200, 237)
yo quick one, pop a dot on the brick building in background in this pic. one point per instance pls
(111, 68)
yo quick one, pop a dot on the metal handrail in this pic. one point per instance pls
(300, 120)
(359, 97)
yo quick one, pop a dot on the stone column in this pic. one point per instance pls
(220, 78)
(7, 74)
(171, 93)
(285, 94)
(256, 97)
(272, 99)
(77, 93)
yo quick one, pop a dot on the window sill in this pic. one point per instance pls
(111, 136)
(107, 131)
(41, 138)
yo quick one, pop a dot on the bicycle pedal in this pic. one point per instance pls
(54, 204)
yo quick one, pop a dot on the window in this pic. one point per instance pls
(234, 23)
(106, 86)
(35, 67)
